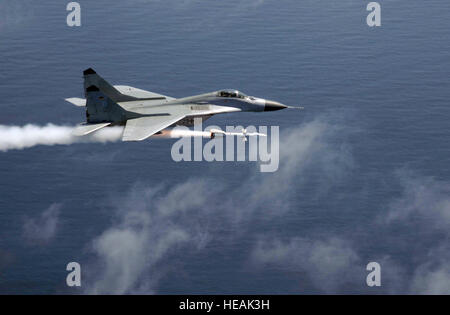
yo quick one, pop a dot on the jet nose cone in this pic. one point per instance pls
(271, 105)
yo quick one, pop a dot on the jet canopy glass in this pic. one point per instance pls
(231, 93)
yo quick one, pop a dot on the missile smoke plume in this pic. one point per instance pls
(21, 137)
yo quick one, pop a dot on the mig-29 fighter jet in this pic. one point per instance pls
(146, 113)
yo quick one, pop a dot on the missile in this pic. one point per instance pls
(244, 134)
(177, 133)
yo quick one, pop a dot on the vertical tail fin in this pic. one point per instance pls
(91, 78)
(100, 107)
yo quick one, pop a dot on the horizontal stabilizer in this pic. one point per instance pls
(85, 129)
(141, 128)
(76, 101)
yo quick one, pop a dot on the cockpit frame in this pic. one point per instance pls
(231, 94)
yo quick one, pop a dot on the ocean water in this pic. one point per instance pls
(364, 170)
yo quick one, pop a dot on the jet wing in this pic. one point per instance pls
(141, 128)
(130, 91)
(141, 94)
(160, 118)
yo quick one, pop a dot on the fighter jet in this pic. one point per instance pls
(147, 113)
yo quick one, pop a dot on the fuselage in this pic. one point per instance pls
(230, 98)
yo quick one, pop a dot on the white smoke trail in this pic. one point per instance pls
(21, 137)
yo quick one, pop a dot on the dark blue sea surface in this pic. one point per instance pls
(364, 170)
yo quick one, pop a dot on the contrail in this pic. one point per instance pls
(21, 137)
(30, 135)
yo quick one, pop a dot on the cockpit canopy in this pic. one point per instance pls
(231, 93)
